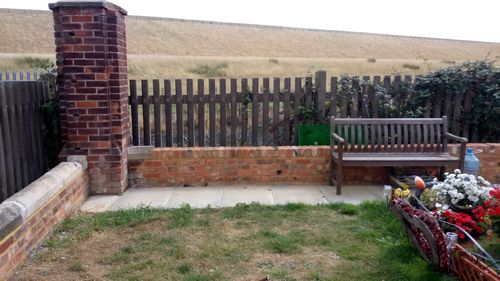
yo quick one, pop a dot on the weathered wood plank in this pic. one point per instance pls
(27, 145)
(320, 78)
(255, 112)
(374, 99)
(145, 112)
(234, 112)
(308, 92)
(286, 112)
(365, 99)
(201, 113)
(455, 124)
(168, 112)
(355, 97)
(4, 138)
(179, 113)
(265, 111)
(276, 110)
(466, 110)
(134, 111)
(190, 111)
(223, 117)
(333, 97)
(211, 109)
(244, 111)
(296, 109)
(157, 112)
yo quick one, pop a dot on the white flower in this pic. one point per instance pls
(456, 171)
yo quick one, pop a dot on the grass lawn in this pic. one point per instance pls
(247, 242)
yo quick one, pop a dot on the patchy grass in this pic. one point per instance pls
(247, 242)
(411, 66)
(209, 71)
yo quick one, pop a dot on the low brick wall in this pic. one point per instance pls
(30, 215)
(197, 166)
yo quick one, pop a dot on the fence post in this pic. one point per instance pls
(93, 89)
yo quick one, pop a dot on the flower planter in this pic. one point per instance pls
(318, 134)
(312, 134)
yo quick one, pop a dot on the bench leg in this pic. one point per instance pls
(442, 170)
(331, 179)
(335, 177)
(339, 179)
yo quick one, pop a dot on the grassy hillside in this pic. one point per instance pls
(176, 48)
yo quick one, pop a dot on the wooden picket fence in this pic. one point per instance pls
(22, 157)
(20, 75)
(262, 111)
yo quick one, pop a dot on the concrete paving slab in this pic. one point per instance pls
(297, 194)
(196, 197)
(155, 197)
(228, 196)
(353, 194)
(233, 195)
(98, 203)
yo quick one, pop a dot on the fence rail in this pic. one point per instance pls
(265, 111)
(22, 158)
(29, 75)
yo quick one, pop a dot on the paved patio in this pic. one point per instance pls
(229, 196)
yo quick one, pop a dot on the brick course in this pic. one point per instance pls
(264, 165)
(91, 56)
(16, 246)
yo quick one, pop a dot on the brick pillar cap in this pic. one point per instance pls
(86, 4)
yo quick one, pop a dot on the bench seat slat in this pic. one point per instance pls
(387, 160)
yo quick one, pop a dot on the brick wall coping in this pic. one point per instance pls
(86, 4)
(18, 208)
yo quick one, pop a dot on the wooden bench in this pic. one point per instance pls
(390, 142)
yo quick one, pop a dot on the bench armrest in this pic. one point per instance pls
(338, 138)
(340, 147)
(456, 138)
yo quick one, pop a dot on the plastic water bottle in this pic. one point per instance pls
(471, 165)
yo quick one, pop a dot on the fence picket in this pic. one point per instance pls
(296, 108)
(244, 111)
(211, 108)
(223, 117)
(333, 96)
(4, 137)
(179, 113)
(355, 97)
(134, 112)
(201, 112)
(320, 78)
(255, 111)
(145, 112)
(190, 111)
(168, 112)
(286, 112)
(276, 110)
(265, 111)
(234, 112)
(157, 112)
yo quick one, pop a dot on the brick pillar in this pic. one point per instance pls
(91, 56)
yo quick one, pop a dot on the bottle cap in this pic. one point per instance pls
(470, 150)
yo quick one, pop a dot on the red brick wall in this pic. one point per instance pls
(16, 246)
(91, 55)
(262, 165)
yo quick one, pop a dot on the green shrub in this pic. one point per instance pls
(372, 60)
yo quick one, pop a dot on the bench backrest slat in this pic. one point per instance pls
(384, 135)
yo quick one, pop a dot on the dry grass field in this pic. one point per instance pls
(167, 48)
